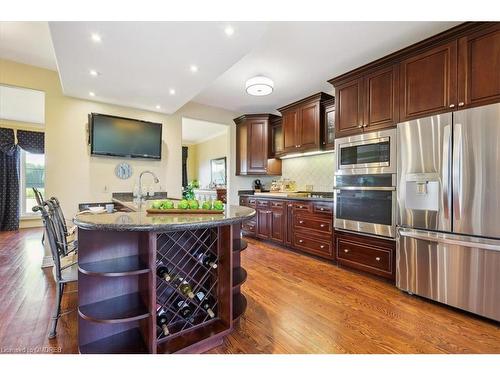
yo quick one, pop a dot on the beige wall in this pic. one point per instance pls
(71, 174)
(192, 163)
(203, 153)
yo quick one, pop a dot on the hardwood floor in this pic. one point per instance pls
(296, 304)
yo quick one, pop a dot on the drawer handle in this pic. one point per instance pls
(322, 225)
(377, 259)
(322, 246)
(321, 209)
(301, 206)
(301, 221)
(300, 241)
(346, 251)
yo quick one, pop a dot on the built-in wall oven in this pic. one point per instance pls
(365, 183)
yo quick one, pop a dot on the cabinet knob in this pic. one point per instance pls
(377, 259)
(299, 145)
(322, 225)
(364, 126)
(452, 105)
(300, 241)
(321, 209)
(346, 250)
(322, 246)
(301, 221)
(360, 126)
(461, 104)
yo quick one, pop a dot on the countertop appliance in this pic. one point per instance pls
(257, 185)
(448, 236)
(365, 183)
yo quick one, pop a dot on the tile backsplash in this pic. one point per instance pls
(316, 170)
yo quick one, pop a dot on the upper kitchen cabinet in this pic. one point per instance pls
(329, 128)
(429, 82)
(276, 137)
(253, 154)
(446, 72)
(479, 67)
(303, 124)
(367, 102)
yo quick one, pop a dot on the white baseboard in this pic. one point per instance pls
(47, 261)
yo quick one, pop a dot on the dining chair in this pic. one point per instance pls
(65, 237)
(63, 274)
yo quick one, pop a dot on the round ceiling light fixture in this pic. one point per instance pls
(259, 86)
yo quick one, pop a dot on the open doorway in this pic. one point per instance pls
(205, 149)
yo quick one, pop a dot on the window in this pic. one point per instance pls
(32, 175)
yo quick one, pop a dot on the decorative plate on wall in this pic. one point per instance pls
(123, 171)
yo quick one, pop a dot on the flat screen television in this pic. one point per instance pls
(125, 137)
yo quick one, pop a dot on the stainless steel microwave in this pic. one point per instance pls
(368, 153)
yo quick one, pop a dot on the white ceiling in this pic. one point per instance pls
(140, 61)
(197, 131)
(301, 56)
(27, 43)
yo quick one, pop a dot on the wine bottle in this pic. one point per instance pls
(185, 289)
(207, 259)
(162, 321)
(163, 272)
(206, 303)
(185, 308)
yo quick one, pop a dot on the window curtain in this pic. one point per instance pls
(9, 181)
(184, 166)
(33, 142)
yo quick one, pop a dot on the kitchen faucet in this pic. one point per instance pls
(156, 180)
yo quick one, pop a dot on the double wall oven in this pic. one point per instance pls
(365, 183)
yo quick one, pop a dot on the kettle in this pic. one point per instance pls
(257, 185)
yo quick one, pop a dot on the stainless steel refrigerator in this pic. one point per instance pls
(448, 236)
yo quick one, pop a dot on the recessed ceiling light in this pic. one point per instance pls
(229, 30)
(91, 93)
(193, 68)
(158, 106)
(93, 72)
(171, 92)
(95, 37)
(259, 86)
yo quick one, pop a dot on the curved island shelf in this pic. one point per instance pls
(120, 295)
(123, 266)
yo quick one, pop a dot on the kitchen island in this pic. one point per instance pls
(162, 283)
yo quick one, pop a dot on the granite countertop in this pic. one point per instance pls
(140, 220)
(313, 198)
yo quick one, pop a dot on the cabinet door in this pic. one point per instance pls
(241, 149)
(429, 82)
(479, 67)
(348, 108)
(381, 98)
(289, 224)
(290, 121)
(308, 129)
(276, 141)
(257, 143)
(263, 223)
(277, 225)
(329, 128)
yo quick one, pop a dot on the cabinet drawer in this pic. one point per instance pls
(262, 203)
(302, 206)
(249, 226)
(277, 204)
(367, 257)
(243, 201)
(323, 208)
(251, 202)
(315, 246)
(315, 224)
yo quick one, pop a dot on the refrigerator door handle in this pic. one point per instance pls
(451, 239)
(457, 171)
(446, 170)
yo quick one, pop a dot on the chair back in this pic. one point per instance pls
(59, 214)
(38, 196)
(51, 228)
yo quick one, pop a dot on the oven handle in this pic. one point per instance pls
(368, 188)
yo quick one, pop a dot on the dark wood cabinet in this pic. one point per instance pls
(479, 67)
(277, 225)
(368, 102)
(303, 124)
(328, 141)
(429, 82)
(289, 224)
(253, 154)
(455, 69)
(349, 108)
(365, 253)
(276, 138)
(263, 223)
